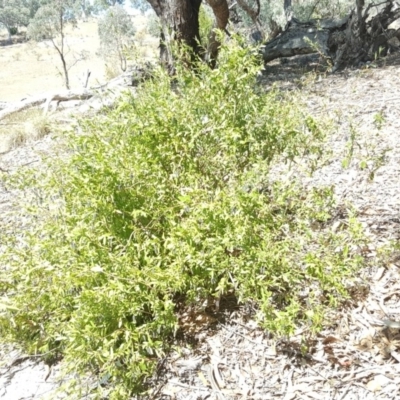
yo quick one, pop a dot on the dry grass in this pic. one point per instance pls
(22, 127)
(28, 68)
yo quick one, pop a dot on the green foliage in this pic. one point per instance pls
(142, 5)
(323, 9)
(12, 14)
(101, 5)
(366, 153)
(116, 35)
(48, 22)
(167, 201)
(13, 30)
(206, 22)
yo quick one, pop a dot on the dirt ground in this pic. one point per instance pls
(29, 68)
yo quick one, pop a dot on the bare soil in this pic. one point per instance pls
(357, 355)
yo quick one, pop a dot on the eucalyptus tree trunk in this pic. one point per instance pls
(221, 11)
(180, 22)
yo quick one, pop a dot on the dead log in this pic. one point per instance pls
(46, 100)
(302, 38)
(367, 33)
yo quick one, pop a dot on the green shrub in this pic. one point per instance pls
(14, 30)
(164, 202)
(206, 22)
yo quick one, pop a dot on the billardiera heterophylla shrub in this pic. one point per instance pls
(168, 196)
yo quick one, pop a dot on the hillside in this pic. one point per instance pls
(28, 68)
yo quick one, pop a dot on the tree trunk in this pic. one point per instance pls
(65, 70)
(287, 7)
(9, 38)
(179, 21)
(221, 11)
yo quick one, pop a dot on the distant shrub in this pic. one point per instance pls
(165, 202)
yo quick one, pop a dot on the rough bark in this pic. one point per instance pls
(287, 7)
(302, 38)
(360, 37)
(179, 21)
(221, 12)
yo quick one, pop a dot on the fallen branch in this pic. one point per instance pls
(302, 38)
(47, 99)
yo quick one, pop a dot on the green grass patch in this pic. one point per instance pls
(170, 196)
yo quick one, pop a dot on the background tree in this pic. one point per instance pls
(87, 8)
(141, 5)
(252, 12)
(49, 23)
(116, 34)
(12, 14)
(33, 6)
(104, 4)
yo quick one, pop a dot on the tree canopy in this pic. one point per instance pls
(116, 34)
(49, 23)
(13, 13)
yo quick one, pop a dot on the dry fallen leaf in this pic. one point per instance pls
(365, 343)
(330, 339)
(345, 362)
(203, 379)
(374, 386)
